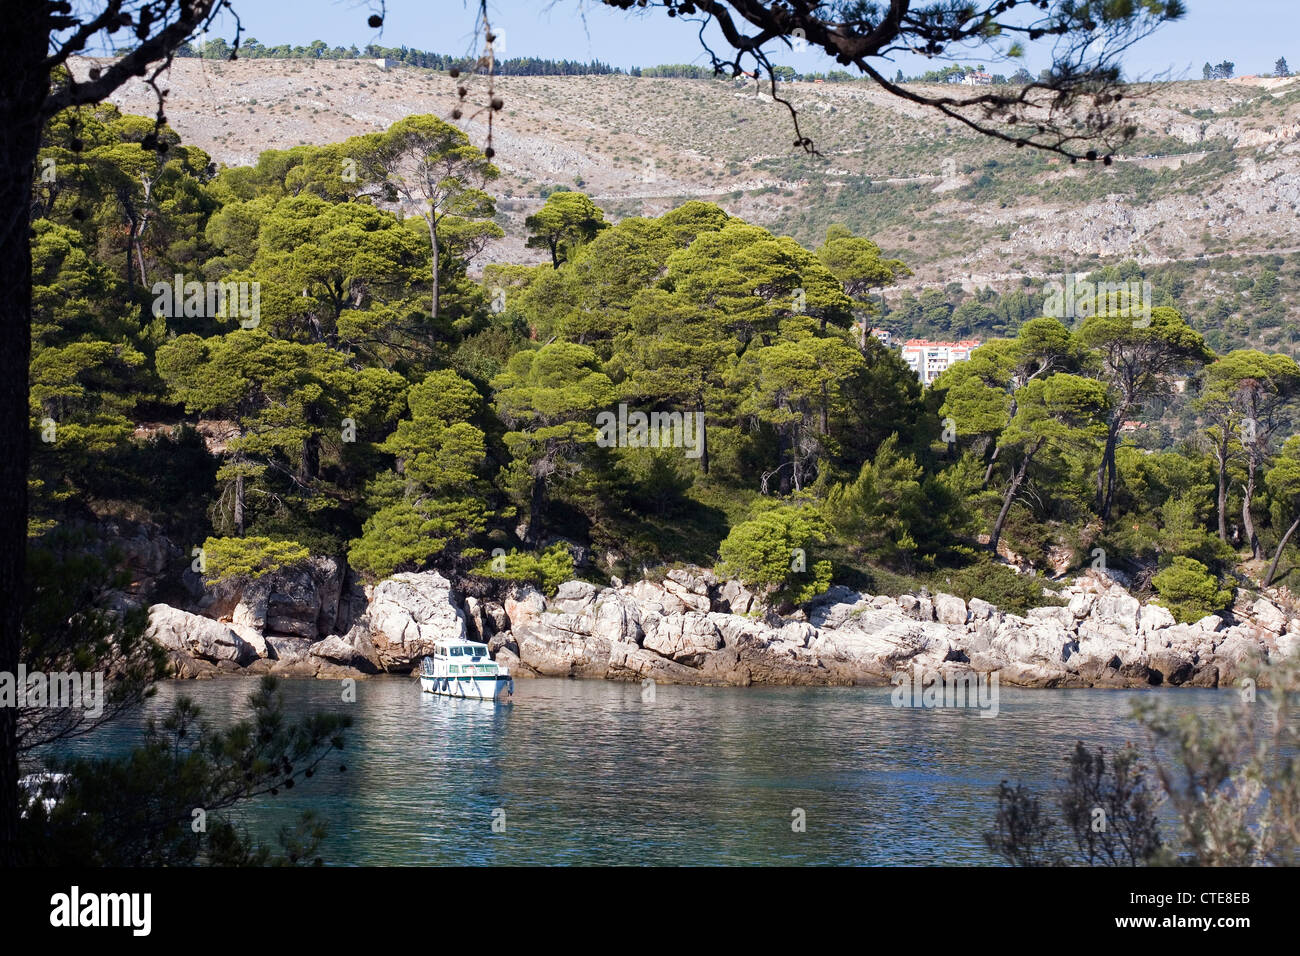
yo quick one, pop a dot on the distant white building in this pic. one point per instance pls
(977, 78)
(930, 359)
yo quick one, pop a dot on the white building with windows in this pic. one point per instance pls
(930, 359)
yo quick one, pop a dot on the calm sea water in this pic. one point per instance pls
(586, 772)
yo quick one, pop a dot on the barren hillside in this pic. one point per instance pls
(1215, 170)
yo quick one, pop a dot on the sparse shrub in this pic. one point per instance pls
(998, 584)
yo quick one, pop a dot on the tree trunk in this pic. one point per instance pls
(993, 460)
(309, 467)
(704, 437)
(433, 244)
(130, 255)
(239, 505)
(1247, 519)
(537, 503)
(24, 83)
(1272, 568)
(139, 261)
(1016, 481)
(1106, 471)
(1221, 453)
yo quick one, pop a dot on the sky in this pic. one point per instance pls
(1250, 33)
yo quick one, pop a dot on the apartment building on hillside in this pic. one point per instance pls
(929, 359)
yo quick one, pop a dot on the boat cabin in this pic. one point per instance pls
(457, 658)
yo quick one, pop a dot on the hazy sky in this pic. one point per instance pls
(1251, 33)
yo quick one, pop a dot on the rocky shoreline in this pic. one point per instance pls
(691, 628)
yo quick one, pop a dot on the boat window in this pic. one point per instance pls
(455, 652)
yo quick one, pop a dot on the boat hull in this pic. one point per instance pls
(474, 688)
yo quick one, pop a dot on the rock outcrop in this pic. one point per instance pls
(198, 637)
(692, 628)
(407, 613)
(685, 630)
(285, 624)
(307, 600)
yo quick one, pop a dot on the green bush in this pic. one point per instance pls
(996, 583)
(243, 559)
(545, 570)
(1189, 590)
(770, 552)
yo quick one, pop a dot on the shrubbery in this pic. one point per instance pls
(1189, 590)
(234, 559)
(770, 552)
(546, 570)
(998, 584)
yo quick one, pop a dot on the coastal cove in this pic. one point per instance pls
(591, 772)
(690, 627)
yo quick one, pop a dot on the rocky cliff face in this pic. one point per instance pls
(684, 630)
(693, 628)
(310, 622)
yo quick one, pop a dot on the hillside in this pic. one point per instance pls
(1216, 168)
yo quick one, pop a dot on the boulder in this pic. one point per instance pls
(299, 601)
(684, 594)
(950, 609)
(1268, 616)
(1057, 615)
(496, 616)
(1154, 617)
(617, 618)
(1237, 654)
(353, 649)
(685, 638)
(253, 638)
(288, 650)
(691, 628)
(407, 614)
(735, 598)
(197, 636)
(1080, 605)
(1117, 608)
(524, 605)
(477, 625)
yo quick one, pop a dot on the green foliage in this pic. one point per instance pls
(549, 399)
(545, 570)
(1189, 590)
(996, 583)
(880, 515)
(566, 221)
(429, 507)
(138, 809)
(243, 559)
(389, 407)
(1122, 795)
(774, 552)
(1228, 780)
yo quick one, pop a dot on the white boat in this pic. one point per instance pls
(463, 669)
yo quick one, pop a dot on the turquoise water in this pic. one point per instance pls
(587, 772)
